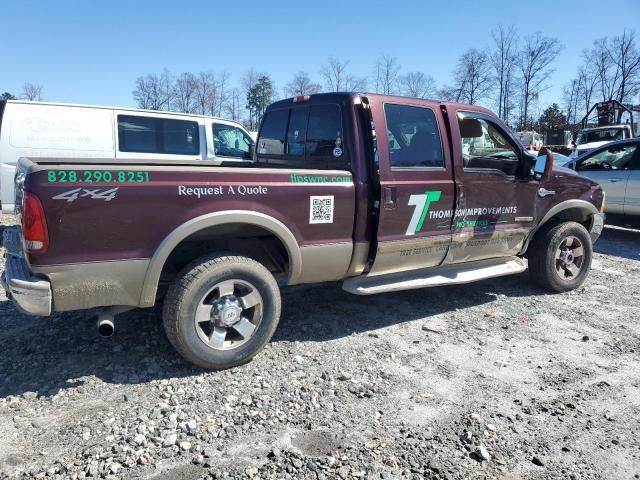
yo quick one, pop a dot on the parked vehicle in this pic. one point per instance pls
(592, 138)
(105, 134)
(375, 191)
(616, 167)
(559, 141)
(532, 141)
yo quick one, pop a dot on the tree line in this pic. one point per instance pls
(30, 91)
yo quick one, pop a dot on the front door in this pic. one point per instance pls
(495, 205)
(611, 168)
(416, 187)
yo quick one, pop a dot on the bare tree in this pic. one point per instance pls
(222, 89)
(338, 79)
(387, 75)
(301, 84)
(472, 76)
(587, 80)
(31, 91)
(185, 88)
(534, 62)
(503, 61)
(232, 107)
(418, 85)
(154, 92)
(205, 89)
(626, 60)
(571, 97)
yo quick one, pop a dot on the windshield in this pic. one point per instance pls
(605, 135)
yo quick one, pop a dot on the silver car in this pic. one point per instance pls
(616, 167)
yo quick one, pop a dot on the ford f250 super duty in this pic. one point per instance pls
(381, 193)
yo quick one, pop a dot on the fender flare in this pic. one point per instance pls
(276, 227)
(590, 209)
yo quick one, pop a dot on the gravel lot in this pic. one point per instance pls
(492, 380)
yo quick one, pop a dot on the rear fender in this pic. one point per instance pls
(161, 254)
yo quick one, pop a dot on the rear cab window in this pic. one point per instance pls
(303, 136)
(143, 134)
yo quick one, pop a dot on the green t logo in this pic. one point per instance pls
(421, 202)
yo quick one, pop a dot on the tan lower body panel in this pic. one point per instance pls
(325, 263)
(87, 285)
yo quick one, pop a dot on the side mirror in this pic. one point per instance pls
(544, 165)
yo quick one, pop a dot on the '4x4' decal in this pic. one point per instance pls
(94, 194)
(421, 202)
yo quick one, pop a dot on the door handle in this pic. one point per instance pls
(614, 180)
(543, 192)
(389, 197)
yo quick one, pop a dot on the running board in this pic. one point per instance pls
(435, 276)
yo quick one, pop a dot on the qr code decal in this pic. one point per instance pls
(321, 209)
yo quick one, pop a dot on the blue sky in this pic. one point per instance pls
(92, 52)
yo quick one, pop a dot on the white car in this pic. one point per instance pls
(106, 134)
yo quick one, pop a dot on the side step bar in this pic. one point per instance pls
(435, 276)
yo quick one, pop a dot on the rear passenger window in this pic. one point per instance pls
(157, 135)
(324, 138)
(313, 139)
(297, 131)
(272, 133)
(414, 139)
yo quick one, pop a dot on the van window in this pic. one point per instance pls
(158, 135)
(414, 139)
(230, 141)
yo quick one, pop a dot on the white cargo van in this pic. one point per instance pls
(106, 134)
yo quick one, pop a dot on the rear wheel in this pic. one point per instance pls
(560, 257)
(221, 310)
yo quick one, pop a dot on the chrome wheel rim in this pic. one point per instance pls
(228, 314)
(569, 258)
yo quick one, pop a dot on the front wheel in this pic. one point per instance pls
(221, 310)
(560, 257)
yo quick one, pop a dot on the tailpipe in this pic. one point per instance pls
(105, 326)
(106, 319)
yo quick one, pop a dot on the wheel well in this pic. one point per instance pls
(251, 241)
(575, 214)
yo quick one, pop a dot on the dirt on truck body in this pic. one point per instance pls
(382, 193)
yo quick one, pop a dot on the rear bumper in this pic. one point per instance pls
(597, 225)
(31, 293)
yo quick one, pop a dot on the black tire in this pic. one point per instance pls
(191, 287)
(558, 275)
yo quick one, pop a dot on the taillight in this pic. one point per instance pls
(34, 225)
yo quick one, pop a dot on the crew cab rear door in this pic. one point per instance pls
(416, 185)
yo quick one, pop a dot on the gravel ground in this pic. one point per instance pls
(492, 380)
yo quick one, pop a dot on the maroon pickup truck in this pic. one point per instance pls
(382, 193)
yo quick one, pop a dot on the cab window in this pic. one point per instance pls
(414, 139)
(616, 157)
(485, 146)
(230, 141)
(305, 136)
